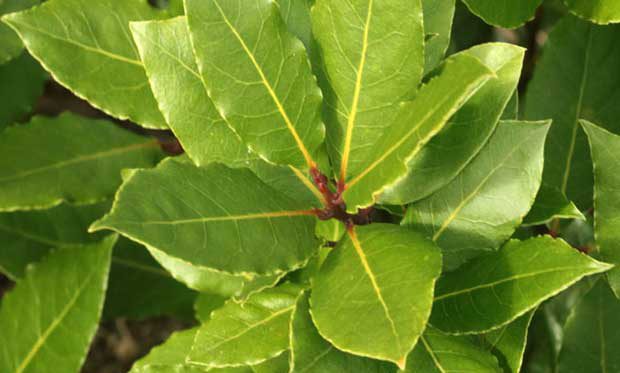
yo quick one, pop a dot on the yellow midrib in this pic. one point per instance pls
(262, 215)
(356, 95)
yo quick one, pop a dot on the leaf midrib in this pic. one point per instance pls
(266, 215)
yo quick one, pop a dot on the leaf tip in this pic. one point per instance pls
(402, 363)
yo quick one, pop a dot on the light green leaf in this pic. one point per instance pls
(442, 353)
(27, 236)
(482, 207)
(438, 16)
(225, 219)
(373, 56)
(68, 158)
(591, 334)
(69, 286)
(417, 122)
(576, 78)
(270, 70)
(248, 333)
(22, 83)
(378, 284)
(312, 354)
(493, 290)
(599, 11)
(10, 44)
(508, 342)
(605, 148)
(330, 230)
(551, 204)
(504, 13)
(141, 288)
(445, 156)
(87, 47)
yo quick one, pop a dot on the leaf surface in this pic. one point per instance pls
(313, 354)
(12, 46)
(87, 47)
(69, 285)
(373, 56)
(22, 83)
(442, 353)
(438, 16)
(68, 158)
(598, 11)
(248, 333)
(605, 148)
(591, 334)
(483, 206)
(551, 204)
(270, 70)
(377, 284)
(576, 78)
(493, 290)
(417, 122)
(445, 156)
(225, 219)
(508, 342)
(504, 13)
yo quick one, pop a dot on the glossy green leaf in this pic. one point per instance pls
(270, 70)
(68, 158)
(551, 204)
(576, 78)
(438, 16)
(87, 47)
(445, 156)
(69, 286)
(27, 236)
(417, 122)
(172, 355)
(591, 334)
(605, 148)
(377, 284)
(216, 217)
(495, 289)
(442, 353)
(141, 288)
(373, 53)
(248, 333)
(313, 354)
(22, 83)
(504, 13)
(10, 44)
(482, 207)
(508, 343)
(599, 11)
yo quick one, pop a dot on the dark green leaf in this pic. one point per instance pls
(508, 343)
(22, 83)
(495, 289)
(504, 13)
(49, 319)
(551, 204)
(207, 303)
(10, 45)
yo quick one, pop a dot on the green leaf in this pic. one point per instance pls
(417, 122)
(551, 204)
(576, 78)
(10, 44)
(270, 69)
(442, 353)
(591, 334)
(49, 319)
(445, 156)
(28, 236)
(495, 289)
(511, 112)
(313, 354)
(377, 284)
(508, 342)
(216, 217)
(373, 56)
(482, 207)
(22, 83)
(141, 288)
(330, 230)
(599, 11)
(207, 303)
(504, 13)
(279, 364)
(438, 16)
(248, 333)
(87, 48)
(605, 148)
